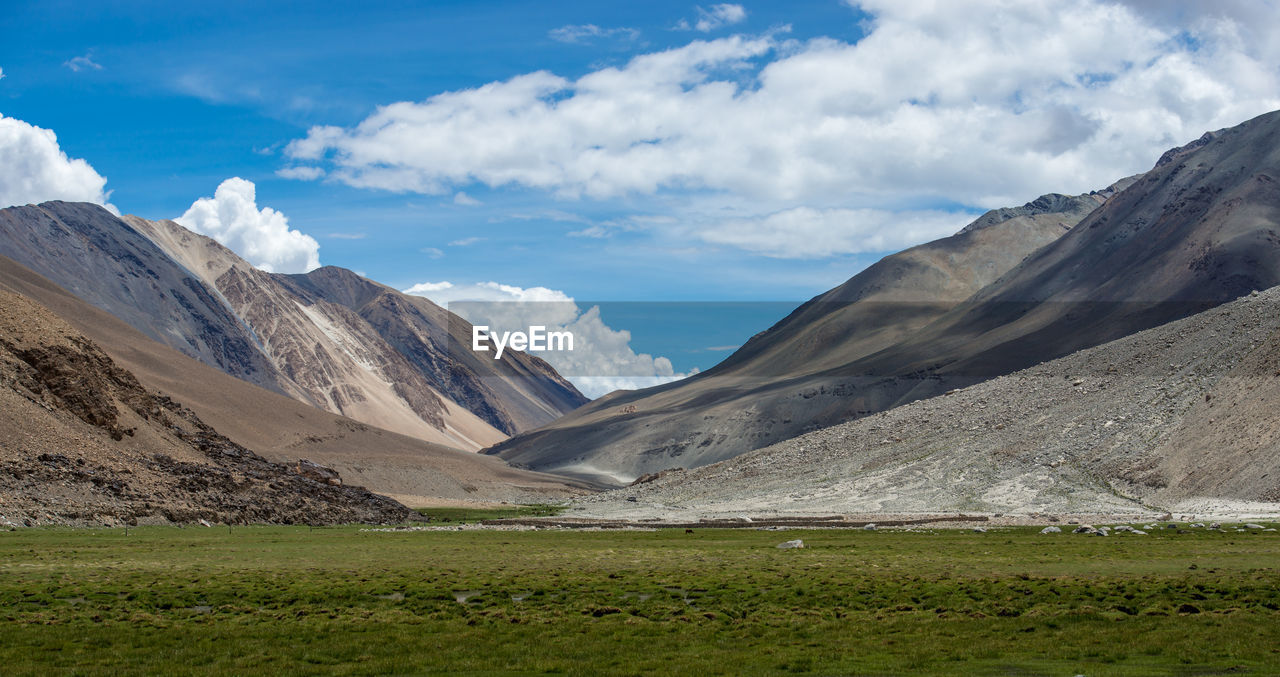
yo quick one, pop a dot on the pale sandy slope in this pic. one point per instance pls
(282, 429)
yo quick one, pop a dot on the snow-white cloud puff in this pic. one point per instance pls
(260, 236)
(602, 359)
(979, 103)
(34, 169)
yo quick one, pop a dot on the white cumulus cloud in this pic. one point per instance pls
(975, 103)
(602, 359)
(34, 169)
(260, 236)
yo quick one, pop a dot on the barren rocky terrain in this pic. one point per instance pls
(82, 442)
(1179, 418)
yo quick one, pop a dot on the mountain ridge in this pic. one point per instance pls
(1197, 230)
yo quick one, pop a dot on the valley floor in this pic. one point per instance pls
(355, 600)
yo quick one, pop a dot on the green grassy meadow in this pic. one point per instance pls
(271, 600)
(440, 516)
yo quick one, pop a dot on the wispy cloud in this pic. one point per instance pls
(709, 19)
(587, 33)
(347, 236)
(461, 198)
(466, 241)
(81, 63)
(302, 173)
(432, 252)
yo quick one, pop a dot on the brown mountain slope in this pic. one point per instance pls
(760, 394)
(355, 347)
(82, 442)
(515, 393)
(326, 355)
(284, 430)
(1177, 418)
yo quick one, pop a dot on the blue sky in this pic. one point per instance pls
(636, 152)
(189, 96)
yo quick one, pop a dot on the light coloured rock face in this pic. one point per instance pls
(1196, 231)
(1179, 418)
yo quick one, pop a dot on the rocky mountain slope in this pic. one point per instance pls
(1199, 229)
(87, 251)
(285, 430)
(750, 399)
(1177, 418)
(385, 361)
(355, 347)
(82, 442)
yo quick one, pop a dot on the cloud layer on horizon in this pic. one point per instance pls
(601, 361)
(939, 104)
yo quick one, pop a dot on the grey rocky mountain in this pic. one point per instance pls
(765, 391)
(88, 251)
(86, 443)
(1199, 229)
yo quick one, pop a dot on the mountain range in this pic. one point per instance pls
(1014, 289)
(1077, 353)
(329, 338)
